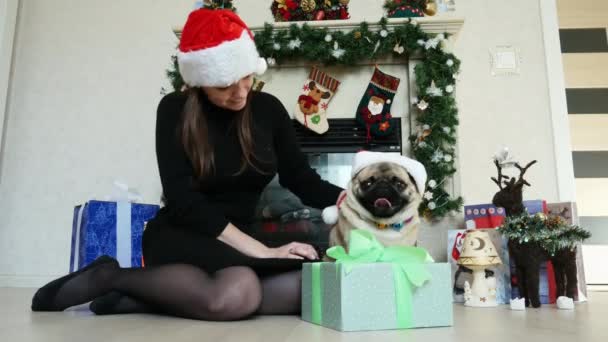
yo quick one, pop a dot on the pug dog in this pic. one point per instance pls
(383, 197)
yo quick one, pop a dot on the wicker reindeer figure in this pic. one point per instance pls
(529, 256)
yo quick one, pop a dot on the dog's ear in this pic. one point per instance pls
(312, 85)
(414, 182)
(326, 95)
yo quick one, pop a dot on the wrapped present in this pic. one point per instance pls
(109, 228)
(460, 274)
(536, 206)
(376, 288)
(568, 211)
(483, 216)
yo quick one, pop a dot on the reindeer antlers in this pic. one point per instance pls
(512, 182)
(522, 171)
(500, 175)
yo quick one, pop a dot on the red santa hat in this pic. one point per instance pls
(217, 49)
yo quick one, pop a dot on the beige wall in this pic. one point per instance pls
(86, 86)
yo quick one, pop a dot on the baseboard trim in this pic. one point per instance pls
(25, 281)
(597, 288)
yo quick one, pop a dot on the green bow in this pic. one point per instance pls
(408, 270)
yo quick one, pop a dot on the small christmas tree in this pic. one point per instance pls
(219, 4)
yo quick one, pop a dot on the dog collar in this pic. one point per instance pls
(394, 226)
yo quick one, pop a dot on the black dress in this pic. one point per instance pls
(185, 230)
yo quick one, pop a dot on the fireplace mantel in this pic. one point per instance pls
(434, 25)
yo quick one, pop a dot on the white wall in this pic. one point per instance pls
(8, 18)
(86, 86)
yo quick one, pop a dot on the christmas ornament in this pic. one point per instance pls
(423, 134)
(431, 8)
(422, 105)
(337, 52)
(399, 49)
(320, 15)
(294, 44)
(308, 5)
(433, 90)
(374, 110)
(314, 100)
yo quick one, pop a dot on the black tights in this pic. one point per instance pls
(181, 290)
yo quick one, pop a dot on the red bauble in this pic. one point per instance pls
(285, 14)
(344, 13)
(320, 15)
(291, 4)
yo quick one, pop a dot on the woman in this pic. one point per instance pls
(218, 145)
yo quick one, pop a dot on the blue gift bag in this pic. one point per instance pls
(109, 228)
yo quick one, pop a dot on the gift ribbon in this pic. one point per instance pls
(408, 270)
(76, 249)
(123, 233)
(317, 312)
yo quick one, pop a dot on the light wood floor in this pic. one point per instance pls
(17, 323)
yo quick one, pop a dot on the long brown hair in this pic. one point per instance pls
(194, 135)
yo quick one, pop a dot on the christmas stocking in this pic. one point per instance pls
(312, 104)
(374, 111)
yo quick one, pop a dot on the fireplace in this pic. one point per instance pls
(281, 216)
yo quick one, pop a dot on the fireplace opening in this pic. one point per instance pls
(281, 217)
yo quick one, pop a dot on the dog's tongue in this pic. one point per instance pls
(383, 203)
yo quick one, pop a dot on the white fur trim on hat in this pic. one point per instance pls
(221, 65)
(413, 167)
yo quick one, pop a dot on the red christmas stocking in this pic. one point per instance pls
(374, 111)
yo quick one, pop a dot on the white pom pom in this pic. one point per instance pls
(565, 303)
(262, 66)
(518, 304)
(330, 215)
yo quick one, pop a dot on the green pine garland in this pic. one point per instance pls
(553, 233)
(434, 145)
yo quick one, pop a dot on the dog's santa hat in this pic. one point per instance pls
(364, 159)
(217, 49)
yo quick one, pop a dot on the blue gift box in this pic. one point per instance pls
(109, 228)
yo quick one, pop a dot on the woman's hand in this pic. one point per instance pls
(294, 250)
